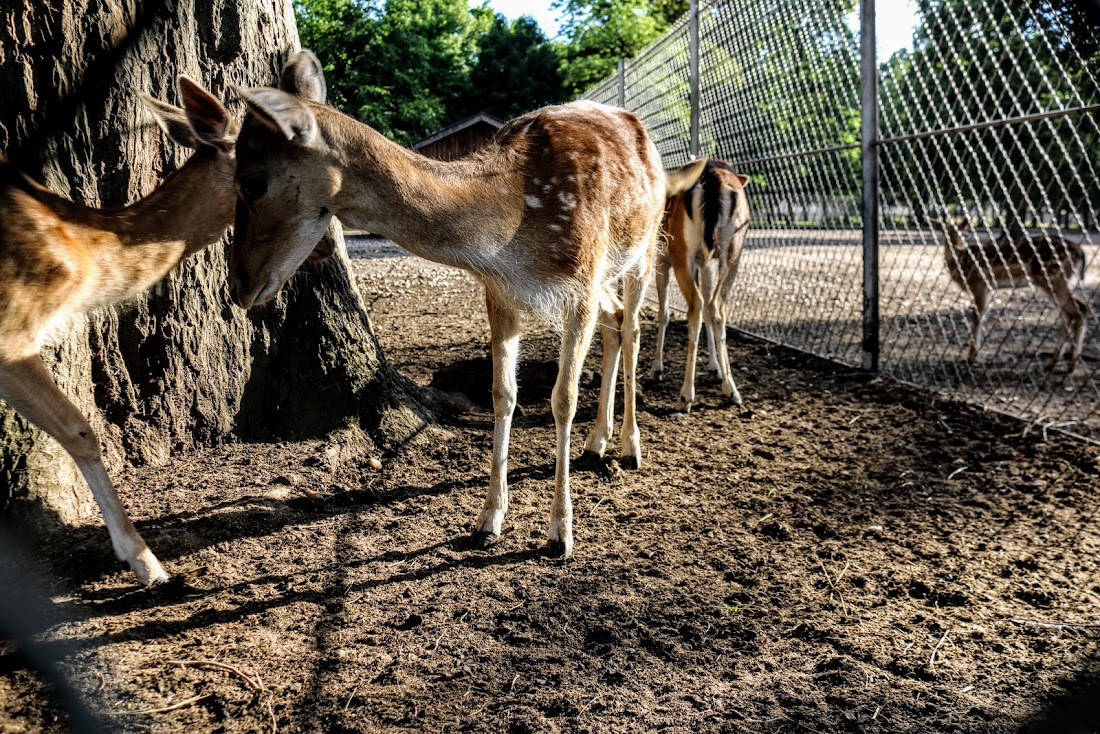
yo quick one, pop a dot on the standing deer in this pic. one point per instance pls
(705, 228)
(59, 259)
(549, 218)
(1047, 261)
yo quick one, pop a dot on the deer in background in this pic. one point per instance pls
(705, 228)
(59, 259)
(1046, 261)
(564, 205)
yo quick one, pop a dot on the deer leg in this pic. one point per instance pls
(634, 285)
(27, 386)
(611, 321)
(695, 321)
(1071, 323)
(977, 316)
(717, 315)
(580, 324)
(707, 281)
(663, 264)
(1078, 343)
(504, 329)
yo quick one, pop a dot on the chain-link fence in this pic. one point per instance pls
(987, 128)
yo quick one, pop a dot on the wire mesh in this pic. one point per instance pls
(780, 98)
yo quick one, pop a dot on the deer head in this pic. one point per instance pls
(286, 179)
(733, 180)
(952, 233)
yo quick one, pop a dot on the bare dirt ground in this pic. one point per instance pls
(842, 554)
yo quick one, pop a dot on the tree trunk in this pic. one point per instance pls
(178, 367)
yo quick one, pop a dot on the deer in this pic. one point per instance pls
(705, 229)
(551, 217)
(59, 259)
(1047, 261)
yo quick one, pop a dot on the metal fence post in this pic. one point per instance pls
(622, 83)
(869, 156)
(693, 50)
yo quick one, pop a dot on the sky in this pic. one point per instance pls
(894, 27)
(537, 9)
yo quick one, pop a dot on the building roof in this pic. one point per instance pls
(485, 117)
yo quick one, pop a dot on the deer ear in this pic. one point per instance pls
(302, 76)
(682, 179)
(282, 113)
(964, 225)
(744, 180)
(208, 118)
(172, 120)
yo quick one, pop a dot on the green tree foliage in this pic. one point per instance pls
(600, 32)
(397, 65)
(969, 65)
(517, 70)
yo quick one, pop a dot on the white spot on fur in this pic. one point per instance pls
(556, 227)
(567, 199)
(532, 201)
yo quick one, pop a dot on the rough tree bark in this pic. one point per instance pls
(179, 367)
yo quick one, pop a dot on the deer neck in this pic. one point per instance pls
(191, 209)
(449, 212)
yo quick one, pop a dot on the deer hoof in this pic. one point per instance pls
(483, 540)
(559, 549)
(589, 458)
(657, 375)
(629, 462)
(148, 568)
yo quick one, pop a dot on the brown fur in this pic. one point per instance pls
(1048, 262)
(715, 203)
(59, 259)
(564, 206)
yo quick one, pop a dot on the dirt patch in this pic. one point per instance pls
(842, 554)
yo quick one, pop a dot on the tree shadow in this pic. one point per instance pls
(25, 614)
(113, 603)
(1074, 708)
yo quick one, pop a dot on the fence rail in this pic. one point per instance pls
(991, 114)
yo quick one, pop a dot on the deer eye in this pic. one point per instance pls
(252, 188)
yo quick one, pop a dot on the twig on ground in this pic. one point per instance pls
(1059, 625)
(162, 709)
(255, 683)
(249, 680)
(936, 649)
(799, 723)
(832, 584)
(353, 692)
(271, 713)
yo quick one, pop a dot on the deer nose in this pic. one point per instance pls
(239, 292)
